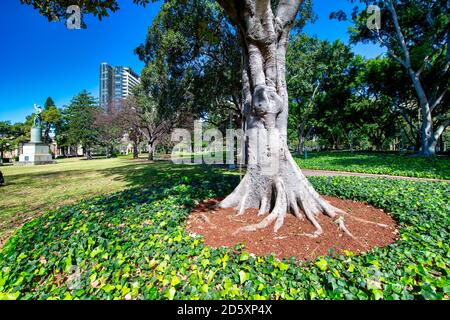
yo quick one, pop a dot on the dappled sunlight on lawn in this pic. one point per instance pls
(32, 190)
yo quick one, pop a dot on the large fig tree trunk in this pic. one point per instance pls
(273, 183)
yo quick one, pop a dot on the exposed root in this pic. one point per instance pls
(234, 219)
(264, 207)
(294, 206)
(278, 213)
(290, 191)
(340, 222)
(243, 205)
(304, 202)
(206, 219)
(263, 224)
(382, 225)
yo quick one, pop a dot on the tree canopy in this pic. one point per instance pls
(80, 117)
(416, 35)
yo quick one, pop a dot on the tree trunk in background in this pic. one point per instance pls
(429, 136)
(87, 153)
(273, 182)
(418, 142)
(441, 144)
(301, 140)
(135, 150)
(427, 144)
(151, 151)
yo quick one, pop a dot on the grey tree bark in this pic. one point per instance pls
(151, 151)
(273, 182)
(87, 153)
(135, 149)
(429, 136)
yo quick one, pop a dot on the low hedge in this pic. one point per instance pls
(132, 245)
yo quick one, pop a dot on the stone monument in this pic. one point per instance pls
(36, 152)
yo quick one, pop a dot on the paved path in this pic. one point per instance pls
(326, 173)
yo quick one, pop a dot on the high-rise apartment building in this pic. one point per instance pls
(106, 86)
(116, 83)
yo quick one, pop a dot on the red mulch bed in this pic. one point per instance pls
(219, 225)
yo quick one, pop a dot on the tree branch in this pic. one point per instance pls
(390, 51)
(235, 10)
(407, 118)
(286, 13)
(438, 100)
(441, 129)
(399, 32)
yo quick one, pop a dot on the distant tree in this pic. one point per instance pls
(21, 132)
(145, 117)
(131, 123)
(416, 35)
(322, 89)
(195, 49)
(80, 122)
(110, 132)
(50, 118)
(314, 68)
(62, 130)
(375, 113)
(49, 103)
(6, 138)
(382, 79)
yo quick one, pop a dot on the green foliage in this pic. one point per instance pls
(372, 96)
(57, 10)
(51, 117)
(378, 163)
(11, 135)
(79, 121)
(319, 73)
(132, 245)
(193, 61)
(416, 37)
(5, 136)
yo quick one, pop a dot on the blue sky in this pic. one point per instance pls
(41, 59)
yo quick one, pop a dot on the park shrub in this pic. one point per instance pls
(133, 245)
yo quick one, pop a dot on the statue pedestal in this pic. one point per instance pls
(35, 154)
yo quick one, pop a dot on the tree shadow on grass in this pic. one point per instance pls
(147, 174)
(29, 178)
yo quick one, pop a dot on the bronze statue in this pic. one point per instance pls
(37, 123)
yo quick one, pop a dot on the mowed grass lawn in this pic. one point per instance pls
(32, 190)
(392, 164)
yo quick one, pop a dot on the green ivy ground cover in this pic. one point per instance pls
(132, 245)
(378, 163)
